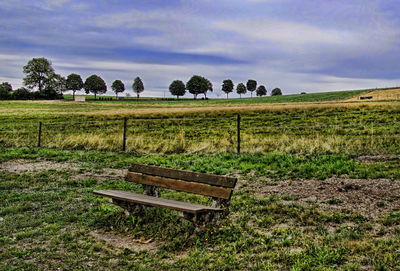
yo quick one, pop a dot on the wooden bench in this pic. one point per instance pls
(219, 188)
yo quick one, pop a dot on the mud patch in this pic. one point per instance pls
(120, 242)
(368, 197)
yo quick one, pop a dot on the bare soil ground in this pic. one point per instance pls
(118, 242)
(368, 197)
(20, 166)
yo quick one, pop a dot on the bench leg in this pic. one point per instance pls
(151, 190)
(223, 204)
(129, 207)
(202, 219)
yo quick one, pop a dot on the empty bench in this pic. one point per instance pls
(219, 188)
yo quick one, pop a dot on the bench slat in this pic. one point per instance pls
(157, 202)
(190, 176)
(196, 188)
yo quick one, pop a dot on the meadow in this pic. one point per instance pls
(318, 184)
(51, 221)
(319, 124)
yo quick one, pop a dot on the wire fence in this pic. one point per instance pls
(247, 134)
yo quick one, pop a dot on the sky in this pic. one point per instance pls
(296, 45)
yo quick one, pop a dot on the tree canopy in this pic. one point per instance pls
(276, 92)
(137, 86)
(241, 89)
(227, 87)
(177, 88)
(251, 86)
(55, 85)
(5, 91)
(209, 87)
(39, 72)
(5, 86)
(261, 91)
(118, 87)
(95, 84)
(74, 83)
(198, 85)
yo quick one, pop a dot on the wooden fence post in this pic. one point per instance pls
(39, 134)
(124, 135)
(238, 133)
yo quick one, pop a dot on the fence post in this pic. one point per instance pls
(124, 135)
(39, 135)
(238, 133)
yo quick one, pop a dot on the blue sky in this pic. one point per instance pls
(297, 45)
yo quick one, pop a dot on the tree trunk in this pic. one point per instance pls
(95, 95)
(240, 96)
(73, 95)
(177, 96)
(227, 95)
(251, 94)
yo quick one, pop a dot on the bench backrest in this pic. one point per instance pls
(211, 185)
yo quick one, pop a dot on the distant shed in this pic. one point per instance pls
(80, 98)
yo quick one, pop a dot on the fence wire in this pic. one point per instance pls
(217, 131)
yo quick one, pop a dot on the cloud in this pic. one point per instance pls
(296, 44)
(55, 3)
(286, 32)
(79, 7)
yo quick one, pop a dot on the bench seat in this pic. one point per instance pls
(157, 202)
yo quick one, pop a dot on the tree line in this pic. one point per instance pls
(40, 74)
(201, 85)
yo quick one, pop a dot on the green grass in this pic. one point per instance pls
(354, 129)
(290, 98)
(49, 216)
(272, 165)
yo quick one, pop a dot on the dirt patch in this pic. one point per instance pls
(118, 241)
(378, 158)
(21, 166)
(18, 166)
(367, 197)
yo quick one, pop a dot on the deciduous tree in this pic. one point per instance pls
(261, 91)
(5, 86)
(38, 72)
(95, 84)
(227, 87)
(197, 84)
(137, 86)
(74, 83)
(276, 92)
(251, 86)
(55, 85)
(177, 88)
(241, 89)
(118, 87)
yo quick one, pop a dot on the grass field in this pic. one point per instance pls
(291, 98)
(319, 184)
(316, 126)
(53, 222)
